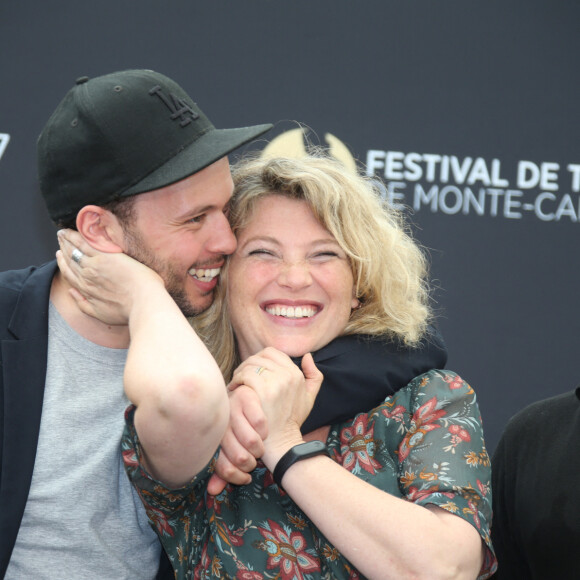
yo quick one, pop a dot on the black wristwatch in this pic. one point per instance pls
(297, 453)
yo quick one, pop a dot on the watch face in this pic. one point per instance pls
(310, 448)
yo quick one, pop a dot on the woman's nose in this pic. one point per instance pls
(295, 275)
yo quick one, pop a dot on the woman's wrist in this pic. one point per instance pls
(298, 453)
(276, 449)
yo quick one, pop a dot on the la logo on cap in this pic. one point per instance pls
(178, 107)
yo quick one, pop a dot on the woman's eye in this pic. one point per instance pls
(260, 251)
(326, 255)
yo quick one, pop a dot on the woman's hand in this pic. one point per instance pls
(104, 285)
(286, 395)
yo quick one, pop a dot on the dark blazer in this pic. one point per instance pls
(24, 299)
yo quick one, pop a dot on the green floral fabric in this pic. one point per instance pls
(424, 444)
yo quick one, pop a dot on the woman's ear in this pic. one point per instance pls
(100, 228)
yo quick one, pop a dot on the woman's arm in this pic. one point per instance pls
(382, 535)
(385, 537)
(181, 399)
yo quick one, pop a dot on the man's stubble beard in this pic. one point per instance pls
(138, 250)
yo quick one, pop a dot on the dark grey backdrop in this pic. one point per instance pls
(493, 80)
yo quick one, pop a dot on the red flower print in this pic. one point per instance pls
(159, 520)
(415, 494)
(130, 458)
(230, 537)
(454, 381)
(483, 488)
(357, 447)
(248, 575)
(458, 434)
(422, 422)
(204, 562)
(397, 415)
(287, 552)
(472, 509)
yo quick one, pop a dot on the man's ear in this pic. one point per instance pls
(100, 228)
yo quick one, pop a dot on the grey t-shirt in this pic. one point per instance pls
(83, 519)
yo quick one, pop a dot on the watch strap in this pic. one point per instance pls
(297, 453)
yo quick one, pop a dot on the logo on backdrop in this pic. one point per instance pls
(451, 185)
(4, 140)
(292, 144)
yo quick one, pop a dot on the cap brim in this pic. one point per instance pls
(206, 150)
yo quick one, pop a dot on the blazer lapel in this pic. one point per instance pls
(23, 370)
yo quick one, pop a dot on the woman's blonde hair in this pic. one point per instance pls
(389, 268)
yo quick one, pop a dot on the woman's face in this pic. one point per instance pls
(290, 285)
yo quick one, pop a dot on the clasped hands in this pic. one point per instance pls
(270, 398)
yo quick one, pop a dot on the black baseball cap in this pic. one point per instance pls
(126, 133)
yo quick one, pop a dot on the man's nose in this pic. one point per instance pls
(222, 239)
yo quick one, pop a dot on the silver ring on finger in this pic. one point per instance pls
(77, 256)
(260, 370)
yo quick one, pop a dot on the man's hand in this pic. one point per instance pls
(242, 443)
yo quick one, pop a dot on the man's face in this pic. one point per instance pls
(182, 232)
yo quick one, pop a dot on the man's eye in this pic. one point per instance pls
(197, 219)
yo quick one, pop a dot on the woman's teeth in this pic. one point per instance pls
(291, 311)
(205, 274)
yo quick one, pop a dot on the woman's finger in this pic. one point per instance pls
(312, 375)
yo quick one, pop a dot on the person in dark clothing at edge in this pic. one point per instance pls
(128, 155)
(536, 515)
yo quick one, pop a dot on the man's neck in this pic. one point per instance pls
(88, 327)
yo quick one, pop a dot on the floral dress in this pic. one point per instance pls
(423, 444)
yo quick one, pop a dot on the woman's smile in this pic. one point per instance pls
(291, 311)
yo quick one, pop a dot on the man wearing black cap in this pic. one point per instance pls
(131, 162)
